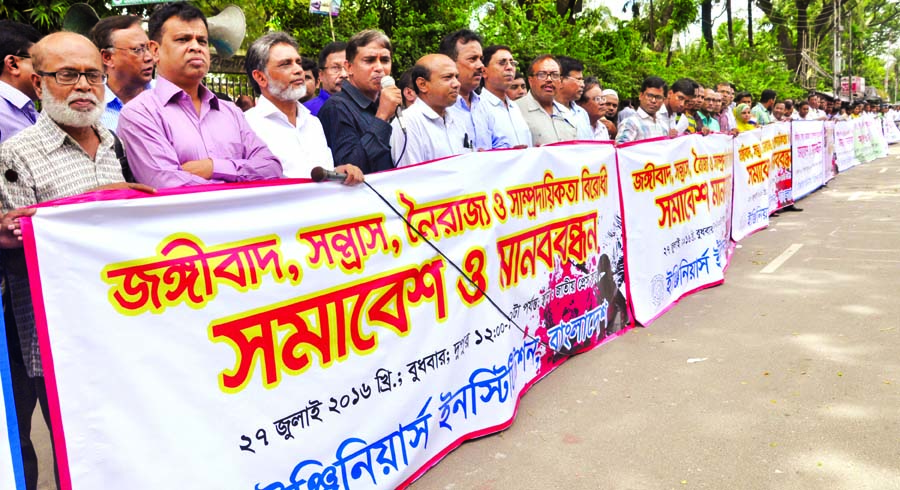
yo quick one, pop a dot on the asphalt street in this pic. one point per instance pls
(785, 377)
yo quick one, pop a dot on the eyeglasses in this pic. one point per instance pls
(654, 97)
(599, 99)
(543, 75)
(71, 77)
(25, 56)
(138, 51)
(508, 62)
(580, 80)
(333, 70)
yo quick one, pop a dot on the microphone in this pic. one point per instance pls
(388, 81)
(319, 174)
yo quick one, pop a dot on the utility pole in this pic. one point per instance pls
(837, 48)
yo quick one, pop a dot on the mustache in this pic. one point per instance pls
(83, 96)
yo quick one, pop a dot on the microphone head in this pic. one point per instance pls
(318, 174)
(387, 81)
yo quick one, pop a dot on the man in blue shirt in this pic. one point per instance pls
(17, 94)
(332, 72)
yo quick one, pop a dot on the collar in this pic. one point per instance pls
(531, 104)
(324, 95)
(641, 113)
(428, 112)
(461, 102)
(165, 91)
(109, 96)
(355, 95)
(14, 95)
(268, 110)
(54, 137)
(488, 97)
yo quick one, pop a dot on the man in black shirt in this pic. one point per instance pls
(357, 119)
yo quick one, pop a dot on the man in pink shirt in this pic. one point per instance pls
(179, 133)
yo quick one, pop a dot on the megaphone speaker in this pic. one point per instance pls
(227, 30)
(80, 18)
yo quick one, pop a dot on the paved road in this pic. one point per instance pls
(799, 389)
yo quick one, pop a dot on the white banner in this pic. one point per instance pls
(845, 157)
(891, 133)
(678, 196)
(807, 148)
(781, 170)
(301, 335)
(876, 133)
(752, 183)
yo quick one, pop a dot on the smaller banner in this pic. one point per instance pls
(807, 148)
(862, 141)
(891, 133)
(844, 154)
(876, 135)
(781, 168)
(752, 171)
(678, 196)
(325, 7)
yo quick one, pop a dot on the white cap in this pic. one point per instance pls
(609, 92)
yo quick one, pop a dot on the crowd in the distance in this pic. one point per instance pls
(128, 109)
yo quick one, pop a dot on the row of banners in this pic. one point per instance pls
(235, 338)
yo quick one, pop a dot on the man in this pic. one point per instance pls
(692, 108)
(778, 111)
(679, 94)
(788, 110)
(626, 111)
(646, 123)
(762, 110)
(611, 117)
(357, 119)
(815, 113)
(545, 117)
(712, 103)
(803, 112)
(594, 105)
(332, 73)
(517, 89)
(293, 134)
(431, 129)
(726, 115)
(310, 78)
(509, 127)
(66, 152)
(178, 133)
(569, 90)
(743, 98)
(464, 48)
(126, 57)
(17, 93)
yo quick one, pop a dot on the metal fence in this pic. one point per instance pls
(232, 85)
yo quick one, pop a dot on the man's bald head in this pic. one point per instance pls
(435, 78)
(59, 45)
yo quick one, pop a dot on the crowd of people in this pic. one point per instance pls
(126, 108)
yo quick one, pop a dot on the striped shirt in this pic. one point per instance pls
(641, 126)
(39, 164)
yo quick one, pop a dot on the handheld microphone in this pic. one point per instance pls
(319, 174)
(388, 81)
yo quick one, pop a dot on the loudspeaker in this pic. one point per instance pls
(80, 18)
(227, 30)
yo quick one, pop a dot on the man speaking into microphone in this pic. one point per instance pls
(357, 119)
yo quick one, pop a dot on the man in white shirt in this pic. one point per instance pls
(289, 130)
(569, 91)
(464, 48)
(509, 128)
(431, 131)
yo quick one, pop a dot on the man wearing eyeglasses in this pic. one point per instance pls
(129, 65)
(509, 127)
(646, 123)
(17, 94)
(569, 91)
(332, 71)
(545, 116)
(179, 133)
(65, 153)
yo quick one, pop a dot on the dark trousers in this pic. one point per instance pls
(27, 393)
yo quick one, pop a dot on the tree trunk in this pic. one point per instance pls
(706, 23)
(730, 23)
(652, 26)
(750, 22)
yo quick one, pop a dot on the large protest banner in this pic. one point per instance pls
(807, 149)
(677, 194)
(303, 335)
(876, 135)
(891, 133)
(11, 474)
(753, 183)
(781, 170)
(863, 146)
(845, 156)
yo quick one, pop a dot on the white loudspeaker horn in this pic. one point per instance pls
(227, 30)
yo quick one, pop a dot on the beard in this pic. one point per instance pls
(62, 114)
(286, 92)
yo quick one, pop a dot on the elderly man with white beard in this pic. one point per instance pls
(66, 152)
(287, 127)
